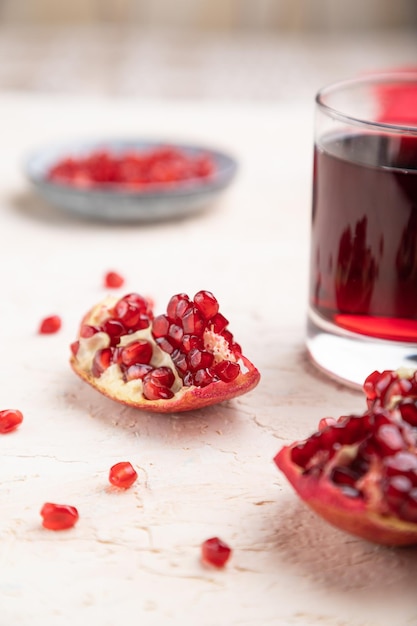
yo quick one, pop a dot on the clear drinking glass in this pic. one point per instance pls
(363, 273)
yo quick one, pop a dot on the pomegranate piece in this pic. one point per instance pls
(58, 516)
(122, 475)
(10, 419)
(50, 325)
(185, 358)
(113, 280)
(360, 472)
(215, 552)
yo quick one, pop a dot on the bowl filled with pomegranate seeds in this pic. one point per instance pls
(128, 180)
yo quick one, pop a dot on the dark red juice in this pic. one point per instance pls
(364, 235)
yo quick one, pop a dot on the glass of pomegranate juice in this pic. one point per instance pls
(363, 272)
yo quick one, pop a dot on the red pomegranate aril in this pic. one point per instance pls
(122, 475)
(215, 552)
(58, 516)
(115, 330)
(218, 323)
(409, 507)
(10, 419)
(199, 359)
(154, 391)
(87, 330)
(401, 463)
(138, 371)
(165, 345)
(203, 377)
(193, 323)
(206, 304)
(175, 334)
(136, 352)
(50, 325)
(74, 347)
(101, 361)
(177, 306)
(408, 411)
(163, 376)
(113, 280)
(192, 341)
(130, 315)
(226, 370)
(389, 439)
(396, 490)
(160, 326)
(180, 361)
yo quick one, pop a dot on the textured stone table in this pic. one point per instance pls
(133, 557)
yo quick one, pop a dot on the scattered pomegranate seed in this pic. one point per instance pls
(122, 475)
(50, 325)
(58, 516)
(215, 552)
(113, 280)
(10, 419)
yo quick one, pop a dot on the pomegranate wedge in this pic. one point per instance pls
(183, 359)
(360, 472)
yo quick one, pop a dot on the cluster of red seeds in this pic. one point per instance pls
(385, 440)
(179, 333)
(134, 169)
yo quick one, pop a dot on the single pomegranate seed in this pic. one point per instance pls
(137, 371)
(408, 411)
(136, 352)
(101, 361)
(160, 326)
(199, 359)
(409, 509)
(165, 345)
(180, 361)
(389, 439)
(122, 475)
(215, 552)
(50, 325)
(163, 376)
(113, 280)
(74, 347)
(132, 312)
(154, 391)
(10, 419)
(175, 334)
(206, 304)
(203, 377)
(191, 341)
(58, 516)
(115, 330)
(396, 490)
(88, 331)
(226, 370)
(219, 323)
(193, 323)
(178, 306)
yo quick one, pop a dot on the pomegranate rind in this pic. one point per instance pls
(187, 398)
(346, 513)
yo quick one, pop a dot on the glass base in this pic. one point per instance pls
(350, 358)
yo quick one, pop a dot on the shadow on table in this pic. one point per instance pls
(335, 560)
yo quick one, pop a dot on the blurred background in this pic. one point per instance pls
(229, 49)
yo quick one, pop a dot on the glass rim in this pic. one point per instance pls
(400, 77)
